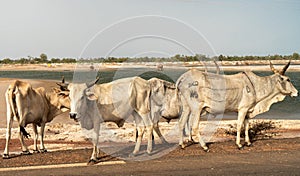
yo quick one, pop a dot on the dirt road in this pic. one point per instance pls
(265, 157)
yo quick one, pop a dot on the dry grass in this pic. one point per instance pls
(257, 130)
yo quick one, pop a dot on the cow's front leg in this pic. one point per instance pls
(247, 139)
(95, 140)
(42, 146)
(240, 122)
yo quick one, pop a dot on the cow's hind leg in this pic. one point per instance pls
(181, 124)
(35, 138)
(158, 132)
(8, 133)
(25, 150)
(195, 130)
(42, 146)
(150, 138)
(140, 133)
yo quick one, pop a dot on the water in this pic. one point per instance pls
(287, 109)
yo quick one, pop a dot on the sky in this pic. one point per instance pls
(133, 28)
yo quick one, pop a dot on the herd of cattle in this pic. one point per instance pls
(195, 93)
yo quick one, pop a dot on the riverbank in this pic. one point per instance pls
(223, 65)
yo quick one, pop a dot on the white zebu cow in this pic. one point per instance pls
(245, 93)
(166, 102)
(28, 105)
(112, 102)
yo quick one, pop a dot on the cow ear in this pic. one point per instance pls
(64, 93)
(91, 96)
(56, 90)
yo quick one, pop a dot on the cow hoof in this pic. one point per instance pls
(206, 149)
(26, 153)
(36, 151)
(43, 150)
(182, 146)
(5, 156)
(149, 153)
(131, 155)
(241, 147)
(249, 145)
(92, 162)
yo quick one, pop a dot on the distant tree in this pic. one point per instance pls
(55, 60)
(43, 58)
(6, 61)
(23, 61)
(295, 56)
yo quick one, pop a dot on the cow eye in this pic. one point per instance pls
(288, 80)
(281, 79)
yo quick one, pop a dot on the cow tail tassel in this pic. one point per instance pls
(24, 132)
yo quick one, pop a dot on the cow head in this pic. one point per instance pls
(81, 96)
(284, 84)
(59, 97)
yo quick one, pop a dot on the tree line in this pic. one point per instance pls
(43, 59)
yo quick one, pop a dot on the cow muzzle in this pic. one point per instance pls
(73, 116)
(294, 94)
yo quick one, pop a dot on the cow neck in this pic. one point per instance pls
(52, 104)
(263, 86)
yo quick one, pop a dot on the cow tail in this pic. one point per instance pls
(11, 99)
(178, 82)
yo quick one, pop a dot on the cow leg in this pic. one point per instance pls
(140, 133)
(158, 132)
(246, 124)
(150, 139)
(143, 120)
(35, 138)
(181, 124)
(42, 146)
(197, 131)
(195, 120)
(25, 150)
(240, 122)
(188, 130)
(8, 132)
(95, 140)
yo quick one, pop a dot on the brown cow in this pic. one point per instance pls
(29, 105)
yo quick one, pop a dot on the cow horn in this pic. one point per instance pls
(272, 68)
(63, 86)
(217, 67)
(282, 72)
(92, 83)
